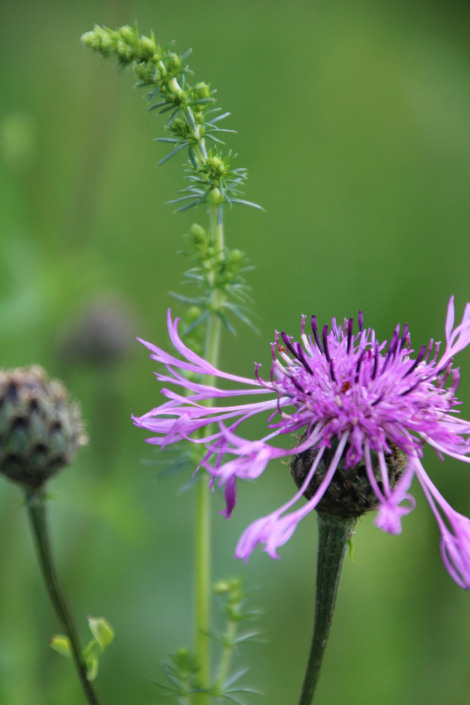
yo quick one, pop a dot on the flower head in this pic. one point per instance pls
(360, 407)
(40, 428)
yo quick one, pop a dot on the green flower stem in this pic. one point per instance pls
(202, 584)
(334, 533)
(203, 538)
(37, 513)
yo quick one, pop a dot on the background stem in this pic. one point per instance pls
(203, 538)
(334, 533)
(38, 519)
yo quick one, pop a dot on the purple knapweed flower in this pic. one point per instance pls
(348, 397)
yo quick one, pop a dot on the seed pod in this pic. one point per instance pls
(40, 428)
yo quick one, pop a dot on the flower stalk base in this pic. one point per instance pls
(334, 534)
(37, 514)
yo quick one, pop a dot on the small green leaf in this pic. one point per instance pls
(92, 669)
(101, 630)
(61, 644)
(92, 651)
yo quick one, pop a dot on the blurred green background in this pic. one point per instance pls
(354, 122)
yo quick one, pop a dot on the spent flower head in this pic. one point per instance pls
(362, 411)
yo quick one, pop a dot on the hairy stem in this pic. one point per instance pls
(38, 519)
(334, 533)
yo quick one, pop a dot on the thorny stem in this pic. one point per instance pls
(38, 519)
(334, 533)
(203, 539)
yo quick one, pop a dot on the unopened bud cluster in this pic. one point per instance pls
(192, 117)
(40, 428)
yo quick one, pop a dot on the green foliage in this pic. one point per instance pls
(192, 120)
(103, 635)
(182, 669)
(216, 271)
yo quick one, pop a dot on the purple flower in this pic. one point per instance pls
(347, 396)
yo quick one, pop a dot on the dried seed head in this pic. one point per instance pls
(349, 493)
(40, 428)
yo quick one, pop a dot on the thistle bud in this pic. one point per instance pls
(40, 428)
(349, 493)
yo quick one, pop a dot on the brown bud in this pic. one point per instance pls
(40, 428)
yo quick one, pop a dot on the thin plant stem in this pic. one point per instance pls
(202, 583)
(226, 658)
(36, 504)
(334, 534)
(203, 537)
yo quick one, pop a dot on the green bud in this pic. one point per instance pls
(128, 35)
(91, 39)
(145, 72)
(216, 166)
(184, 663)
(201, 90)
(148, 47)
(109, 43)
(198, 234)
(192, 314)
(215, 197)
(179, 128)
(124, 51)
(172, 62)
(236, 255)
(40, 429)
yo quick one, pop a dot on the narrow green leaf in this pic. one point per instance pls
(184, 299)
(172, 153)
(247, 203)
(214, 139)
(189, 114)
(201, 101)
(218, 118)
(172, 117)
(188, 205)
(196, 323)
(226, 322)
(157, 105)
